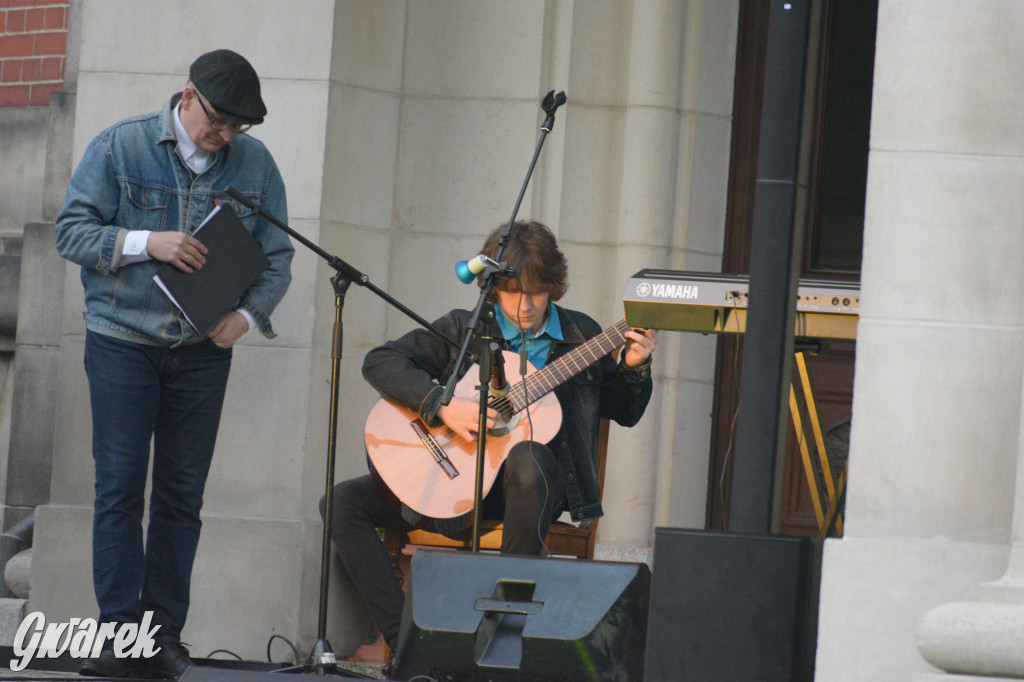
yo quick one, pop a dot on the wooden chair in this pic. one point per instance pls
(564, 539)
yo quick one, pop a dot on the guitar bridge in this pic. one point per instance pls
(434, 448)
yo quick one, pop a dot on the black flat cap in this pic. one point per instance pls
(230, 84)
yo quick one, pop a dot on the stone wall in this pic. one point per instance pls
(33, 45)
(404, 131)
(940, 346)
(23, 148)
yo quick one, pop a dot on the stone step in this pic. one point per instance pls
(10, 243)
(12, 611)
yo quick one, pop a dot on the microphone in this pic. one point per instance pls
(499, 384)
(239, 197)
(467, 270)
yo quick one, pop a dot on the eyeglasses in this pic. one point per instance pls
(219, 124)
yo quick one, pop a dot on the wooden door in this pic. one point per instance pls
(834, 169)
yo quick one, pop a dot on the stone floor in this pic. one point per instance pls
(66, 668)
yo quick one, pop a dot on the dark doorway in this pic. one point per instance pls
(834, 154)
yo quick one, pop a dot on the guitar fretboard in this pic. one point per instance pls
(558, 371)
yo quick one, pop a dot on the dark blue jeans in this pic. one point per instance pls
(172, 397)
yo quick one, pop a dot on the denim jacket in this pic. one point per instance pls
(132, 177)
(412, 371)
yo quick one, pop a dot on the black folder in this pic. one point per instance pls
(234, 261)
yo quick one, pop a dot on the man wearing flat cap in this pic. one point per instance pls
(134, 202)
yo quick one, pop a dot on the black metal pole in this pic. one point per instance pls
(342, 267)
(550, 103)
(320, 658)
(775, 245)
(481, 443)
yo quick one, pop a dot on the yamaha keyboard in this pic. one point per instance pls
(717, 304)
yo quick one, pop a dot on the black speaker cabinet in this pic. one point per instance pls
(471, 616)
(731, 606)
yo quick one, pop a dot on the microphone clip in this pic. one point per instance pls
(550, 103)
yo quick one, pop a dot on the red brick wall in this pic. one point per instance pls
(33, 46)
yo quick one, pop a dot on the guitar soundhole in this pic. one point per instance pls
(504, 425)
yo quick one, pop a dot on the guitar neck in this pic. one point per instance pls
(558, 371)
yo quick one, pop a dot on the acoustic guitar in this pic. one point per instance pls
(432, 470)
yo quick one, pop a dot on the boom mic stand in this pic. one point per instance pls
(321, 656)
(489, 278)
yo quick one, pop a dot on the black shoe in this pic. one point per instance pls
(170, 662)
(108, 665)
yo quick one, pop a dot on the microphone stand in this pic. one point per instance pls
(321, 657)
(489, 278)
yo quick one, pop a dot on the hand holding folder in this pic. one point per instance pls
(234, 261)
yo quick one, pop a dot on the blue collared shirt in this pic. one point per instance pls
(538, 344)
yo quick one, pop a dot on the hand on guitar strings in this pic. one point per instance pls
(462, 415)
(640, 343)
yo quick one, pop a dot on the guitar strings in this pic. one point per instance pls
(536, 385)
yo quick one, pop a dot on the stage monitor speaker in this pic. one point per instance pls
(731, 606)
(472, 616)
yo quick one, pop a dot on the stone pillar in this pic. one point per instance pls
(36, 374)
(940, 348)
(983, 637)
(255, 573)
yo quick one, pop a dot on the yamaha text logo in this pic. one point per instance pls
(648, 290)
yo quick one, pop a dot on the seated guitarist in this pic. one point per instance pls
(538, 480)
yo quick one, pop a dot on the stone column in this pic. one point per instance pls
(934, 444)
(983, 637)
(36, 374)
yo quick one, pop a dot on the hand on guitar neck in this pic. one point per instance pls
(640, 343)
(462, 415)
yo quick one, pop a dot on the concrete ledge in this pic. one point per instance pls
(11, 613)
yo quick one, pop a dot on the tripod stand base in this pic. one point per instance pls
(321, 658)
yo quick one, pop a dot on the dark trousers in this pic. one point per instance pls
(530, 497)
(172, 396)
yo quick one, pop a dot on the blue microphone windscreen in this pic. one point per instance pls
(463, 272)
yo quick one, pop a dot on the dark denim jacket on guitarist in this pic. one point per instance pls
(412, 370)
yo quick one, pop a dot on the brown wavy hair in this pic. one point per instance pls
(533, 251)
